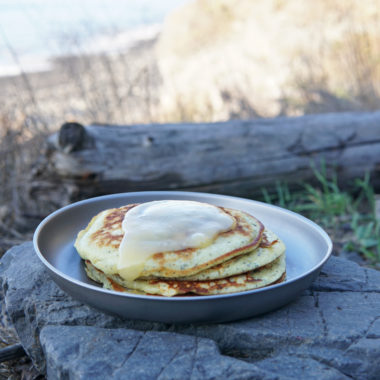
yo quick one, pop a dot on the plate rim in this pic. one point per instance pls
(201, 298)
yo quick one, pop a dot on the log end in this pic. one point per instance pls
(71, 137)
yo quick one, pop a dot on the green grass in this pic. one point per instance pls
(348, 216)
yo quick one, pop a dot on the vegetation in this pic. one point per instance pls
(269, 66)
(348, 216)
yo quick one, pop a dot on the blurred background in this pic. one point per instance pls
(139, 61)
(167, 61)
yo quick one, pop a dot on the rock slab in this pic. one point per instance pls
(332, 331)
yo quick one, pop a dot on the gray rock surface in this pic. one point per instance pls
(332, 331)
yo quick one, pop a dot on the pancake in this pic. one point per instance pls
(271, 247)
(271, 273)
(99, 244)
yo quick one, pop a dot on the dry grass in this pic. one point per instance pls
(345, 77)
(273, 58)
(88, 88)
(21, 139)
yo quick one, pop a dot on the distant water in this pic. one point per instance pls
(32, 31)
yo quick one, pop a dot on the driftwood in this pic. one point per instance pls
(235, 157)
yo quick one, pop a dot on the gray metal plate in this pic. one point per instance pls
(307, 249)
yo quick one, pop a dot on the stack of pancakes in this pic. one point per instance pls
(247, 257)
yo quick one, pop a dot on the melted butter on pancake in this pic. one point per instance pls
(169, 225)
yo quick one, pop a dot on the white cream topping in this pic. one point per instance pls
(164, 226)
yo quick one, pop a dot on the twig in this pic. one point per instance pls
(12, 352)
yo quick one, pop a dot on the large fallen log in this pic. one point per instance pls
(236, 157)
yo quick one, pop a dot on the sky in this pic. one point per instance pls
(31, 31)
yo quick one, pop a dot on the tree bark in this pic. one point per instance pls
(235, 157)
